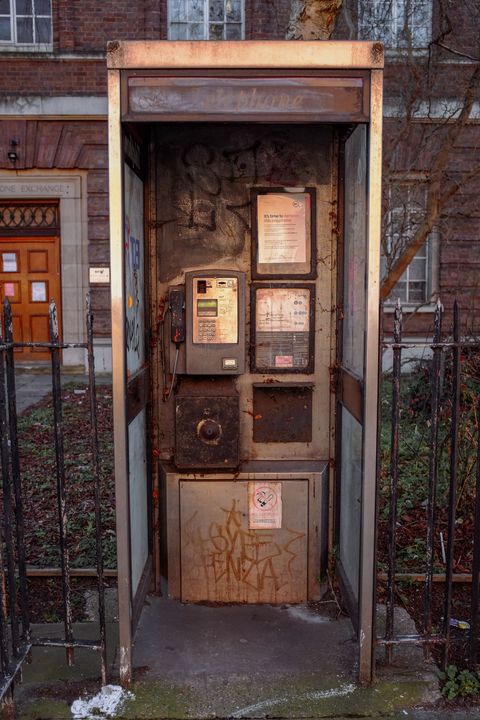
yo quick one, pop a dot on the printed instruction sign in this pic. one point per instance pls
(282, 227)
(282, 309)
(264, 505)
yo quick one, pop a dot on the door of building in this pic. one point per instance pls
(30, 278)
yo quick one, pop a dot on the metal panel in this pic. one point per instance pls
(119, 378)
(206, 424)
(223, 561)
(282, 412)
(247, 54)
(253, 98)
(368, 521)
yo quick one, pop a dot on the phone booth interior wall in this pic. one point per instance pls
(245, 196)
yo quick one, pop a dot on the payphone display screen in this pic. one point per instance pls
(283, 328)
(215, 310)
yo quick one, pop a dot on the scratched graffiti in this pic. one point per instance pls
(225, 561)
(134, 271)
(204, 180)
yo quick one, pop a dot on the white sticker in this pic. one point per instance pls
(39, 292)
(264, 505)
(99, 275)
(283, 360)
(9, 262)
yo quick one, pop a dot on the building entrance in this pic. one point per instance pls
(30, 278)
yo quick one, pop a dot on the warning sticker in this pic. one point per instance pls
(264, 505)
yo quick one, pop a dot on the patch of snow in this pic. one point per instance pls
(104, 704)
(303, 612)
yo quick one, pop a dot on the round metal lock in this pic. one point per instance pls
(209, 431)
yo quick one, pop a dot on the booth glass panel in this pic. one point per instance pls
(350, 501)
(354, 252)
(135, 351)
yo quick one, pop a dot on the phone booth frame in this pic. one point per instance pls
(252, 59)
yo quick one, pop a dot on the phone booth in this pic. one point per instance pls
(245, 240)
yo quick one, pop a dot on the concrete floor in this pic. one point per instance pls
(197, 661)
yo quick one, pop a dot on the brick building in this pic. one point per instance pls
(53, 142)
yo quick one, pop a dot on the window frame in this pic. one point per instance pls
(12, 45)
(206, 21)
(395, 43)
(430, 250)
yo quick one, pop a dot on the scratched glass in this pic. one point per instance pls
(178, 11)
(195, 11)
(216, 10)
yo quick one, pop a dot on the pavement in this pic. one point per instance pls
(237, 661)
(33, 385)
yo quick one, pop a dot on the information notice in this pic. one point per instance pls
(282, 227)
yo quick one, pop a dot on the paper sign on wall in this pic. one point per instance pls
(264, 505)
(282, 235)
(9, 262)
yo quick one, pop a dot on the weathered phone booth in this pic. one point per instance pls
(245, 239)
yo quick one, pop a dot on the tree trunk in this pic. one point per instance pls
(312, 19)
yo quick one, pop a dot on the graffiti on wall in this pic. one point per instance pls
(234, 562)
(134, 271)
(204, 187)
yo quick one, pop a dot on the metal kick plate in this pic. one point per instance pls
(222, 560)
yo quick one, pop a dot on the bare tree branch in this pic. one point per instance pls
(435, 199)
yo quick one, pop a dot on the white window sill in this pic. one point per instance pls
(12, 48)
(411, 308)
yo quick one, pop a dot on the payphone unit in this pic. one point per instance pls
(207, 323)
(215, 314)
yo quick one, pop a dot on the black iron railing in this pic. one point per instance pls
(443, 408)
(16, 637)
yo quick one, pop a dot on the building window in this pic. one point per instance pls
(398, 23)
(25, 23)
(205, 19)
(406, 211)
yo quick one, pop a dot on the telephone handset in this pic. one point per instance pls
(210, 318)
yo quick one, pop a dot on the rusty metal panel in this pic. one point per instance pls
(223, 561)
(297, 98)
(282, 412)
(207, 418)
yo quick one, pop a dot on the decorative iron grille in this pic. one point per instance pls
(33, 217)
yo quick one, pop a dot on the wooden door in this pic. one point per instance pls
(30, 278)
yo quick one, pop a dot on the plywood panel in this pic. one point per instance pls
(223, 561)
